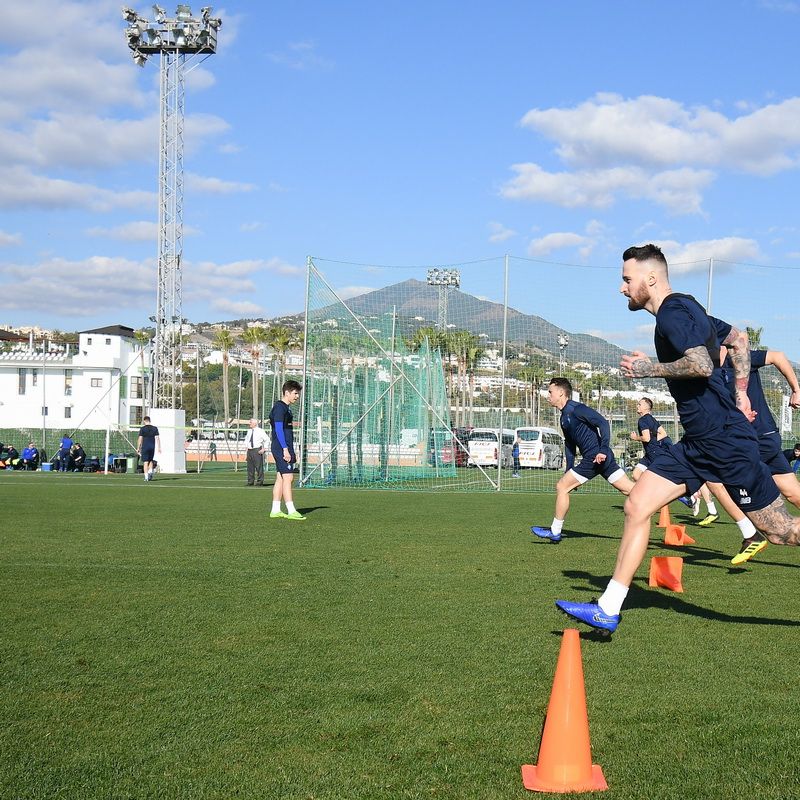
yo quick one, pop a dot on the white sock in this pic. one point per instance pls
(613, 597)
(557, 525)
(276, 506)
(747, 528)
(712, 508)
(290, 509)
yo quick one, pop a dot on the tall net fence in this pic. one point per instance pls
(428, 381)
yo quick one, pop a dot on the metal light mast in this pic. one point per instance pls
(173, 39)
(446, 280)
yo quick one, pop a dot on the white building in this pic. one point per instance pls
(104, 380)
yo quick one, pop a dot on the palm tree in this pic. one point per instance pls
(754, 336)
(280, 339)
(254, 338)
(223, 340)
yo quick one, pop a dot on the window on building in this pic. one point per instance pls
(34, 377)
(108, 340)
(67, 381)
(88, 340)
(135, 415)
(44, 411)
(23, 376)
(123, 386)
(136, 387)
(67, 412)
(96, 383)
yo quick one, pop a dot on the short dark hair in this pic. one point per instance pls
(645, 253)
(145, 419)
(797, 446)
(649, 402)
(562, 383)
(291, 386)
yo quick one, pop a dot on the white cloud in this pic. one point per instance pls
(555, 241)
(52, 284)
(20, 188)
(348, 292)
(9, 239)
(694, 256)
(678, 190)
(229, 148)
(499, 233)
(300, 56)
(249, 227)
(653, 148)
(208, 185)
(238, 308)
(141, 231)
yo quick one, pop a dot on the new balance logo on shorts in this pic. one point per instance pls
(744, 498)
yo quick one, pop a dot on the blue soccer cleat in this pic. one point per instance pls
(687, 501)
(590, 614)
(545, 533)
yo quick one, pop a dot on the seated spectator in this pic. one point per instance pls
(30, 457)
(9, 458)
(77, 457)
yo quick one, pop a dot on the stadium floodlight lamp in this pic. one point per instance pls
(160, 14)
(444, 277)
(129, 15)
(183, 12)
(139, 58)
(153, 38)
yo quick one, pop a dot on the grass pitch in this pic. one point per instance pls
(167, 640)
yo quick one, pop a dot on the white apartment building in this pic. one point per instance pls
(104, 380)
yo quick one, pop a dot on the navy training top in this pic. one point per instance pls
(281, 413)
(585, 429)
(647, 422)
(705, 405)
(764, 423)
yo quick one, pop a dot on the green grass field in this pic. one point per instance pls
(170, 641)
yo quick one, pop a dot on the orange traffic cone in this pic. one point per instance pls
(663, 517)
(565, 755)
(665, 571)
(676, 535)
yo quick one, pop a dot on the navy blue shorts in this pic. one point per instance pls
(730, 457)
(588, 469)
(770, 448)
(148, 455)
(283, 466)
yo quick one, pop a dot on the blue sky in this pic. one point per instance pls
(407, 133)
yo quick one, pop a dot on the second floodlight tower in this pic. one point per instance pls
(446, 280)
(174, 39)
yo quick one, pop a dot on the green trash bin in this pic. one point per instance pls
(131, 462)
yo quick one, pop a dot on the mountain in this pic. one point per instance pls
(413, 298)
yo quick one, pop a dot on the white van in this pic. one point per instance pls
(484, 449)
(540, 447)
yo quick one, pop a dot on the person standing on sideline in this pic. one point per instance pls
(256, 443)
(282, 448)
(719, 443)
(63, 453)
(589, 432)
(515, 457)
(146, 446)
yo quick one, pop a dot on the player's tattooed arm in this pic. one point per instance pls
(776, 523)
(695, 363)
(739, 353)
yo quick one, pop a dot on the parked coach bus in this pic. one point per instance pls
(542, 448)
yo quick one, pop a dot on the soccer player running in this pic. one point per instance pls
(589, 432)
(769, 446)
(650, 434)
(719, 443)
(282, 448)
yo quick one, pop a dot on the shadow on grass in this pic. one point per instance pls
(311, 509)
(637, 598)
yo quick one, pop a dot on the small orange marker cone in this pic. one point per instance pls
(666, 571)
(663, 517)
(565, 755)
(676, 535)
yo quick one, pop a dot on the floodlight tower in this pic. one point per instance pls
(173, 39)
(446, 280)
(563, 343)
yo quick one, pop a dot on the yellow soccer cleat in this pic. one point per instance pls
(755, 544)
(704, 523)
